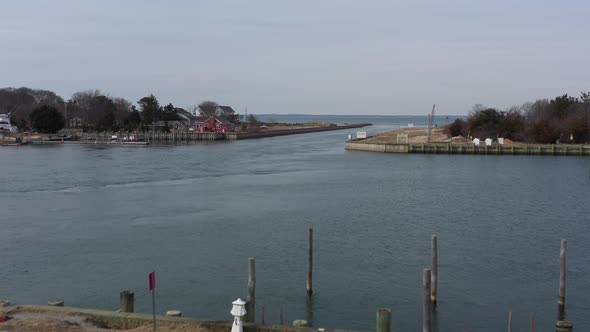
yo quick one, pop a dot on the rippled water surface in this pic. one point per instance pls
(85, 222)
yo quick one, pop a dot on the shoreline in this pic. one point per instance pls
(43, 317)
(147, 138)
(436, 141)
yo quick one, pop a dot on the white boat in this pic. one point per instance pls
(5, 123)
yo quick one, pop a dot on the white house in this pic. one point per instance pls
(221, 110)
(476, 141)
(488, 141)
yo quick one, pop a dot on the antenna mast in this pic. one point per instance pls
(430, 122)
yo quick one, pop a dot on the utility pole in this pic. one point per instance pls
(430, 122)
(66, 112)
(587, 102)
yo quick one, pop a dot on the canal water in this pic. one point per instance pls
(83, 223)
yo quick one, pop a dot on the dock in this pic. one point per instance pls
(449, 148)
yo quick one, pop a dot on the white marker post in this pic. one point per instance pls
(152, 282)
(238, 310)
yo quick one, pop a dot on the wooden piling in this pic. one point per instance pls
(510, 321)
(434, 271)
(281, 321)
(384, 320)
(532, 322)
(426, 279)
(126, 301)
(309, 261)
(562, 270)
(251, 298)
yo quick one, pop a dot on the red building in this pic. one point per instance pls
(213, 125)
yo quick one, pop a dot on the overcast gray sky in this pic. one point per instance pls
(304, 56)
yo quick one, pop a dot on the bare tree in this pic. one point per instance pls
(192, 109)
(122, 109)
(208, 108)
(84, 102)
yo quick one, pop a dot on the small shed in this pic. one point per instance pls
(476, 141)
(488, 141)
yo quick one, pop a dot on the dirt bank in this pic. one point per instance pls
(31, 320)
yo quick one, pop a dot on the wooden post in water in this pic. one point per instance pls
(383, 320)
(434, 271)
(426, 306)
(251, 298)
(309, 261)
(281, 322)
(562, 268)
(510, 321)
(532, 322)
(126, 301)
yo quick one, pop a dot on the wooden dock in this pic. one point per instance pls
(447, 148)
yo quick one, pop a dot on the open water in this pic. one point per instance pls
(85, 222)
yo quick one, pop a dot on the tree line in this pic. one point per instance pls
(94, 110)
(563, 119)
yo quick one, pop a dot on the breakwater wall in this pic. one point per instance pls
(273, 133)
(179, 136)
(445, 148)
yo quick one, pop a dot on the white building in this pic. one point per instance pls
(221, 110)
(5, 123)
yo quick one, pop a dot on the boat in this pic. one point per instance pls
(5, 123)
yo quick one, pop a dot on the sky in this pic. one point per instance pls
(306, 56)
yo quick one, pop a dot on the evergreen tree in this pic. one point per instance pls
(47, 119)
(150, 108)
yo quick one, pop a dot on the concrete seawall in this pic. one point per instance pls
(375, 147)
(444, 148)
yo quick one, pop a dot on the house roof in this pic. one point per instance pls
(227, 109)
(185, 114)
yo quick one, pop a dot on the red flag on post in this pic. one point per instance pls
(152, 279)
